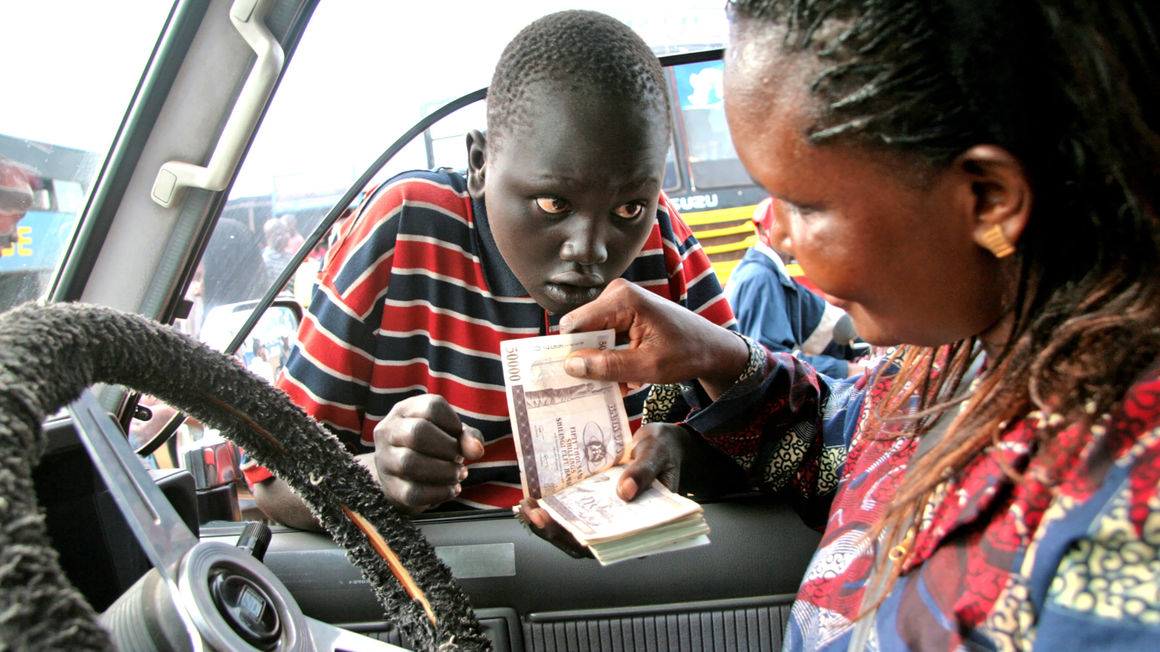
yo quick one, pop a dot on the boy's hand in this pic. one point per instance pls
(657, 451)
(420, 449)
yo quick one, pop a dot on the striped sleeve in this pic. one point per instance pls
(330, 371)
(692, 280)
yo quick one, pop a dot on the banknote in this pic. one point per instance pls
(593, 512)
(572, 441)
(565, 428)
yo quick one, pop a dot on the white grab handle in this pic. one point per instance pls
(247, 17)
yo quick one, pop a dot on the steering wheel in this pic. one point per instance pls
(198, 595)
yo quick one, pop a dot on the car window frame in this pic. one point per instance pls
(102, 251)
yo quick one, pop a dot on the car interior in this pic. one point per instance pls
(156, 539)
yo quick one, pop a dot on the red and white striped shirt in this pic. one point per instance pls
(415, 298)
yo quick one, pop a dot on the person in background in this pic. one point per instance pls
(306, 277)
(399, 353)
(17, 183)
(294, 238)
(274, 252)
(978, 184)
(774, 309)
(259, 362)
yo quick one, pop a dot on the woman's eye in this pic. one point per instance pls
(553, 205)
(798, 211)
(629, 211)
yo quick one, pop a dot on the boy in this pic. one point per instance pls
(399, 353)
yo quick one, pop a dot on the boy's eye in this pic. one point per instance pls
(629, 211)
(553, 205)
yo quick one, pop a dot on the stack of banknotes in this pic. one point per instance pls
(572, 440)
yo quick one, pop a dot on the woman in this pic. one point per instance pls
(975, 183)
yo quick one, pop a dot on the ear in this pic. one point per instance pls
(476, 163)
(1001, 196)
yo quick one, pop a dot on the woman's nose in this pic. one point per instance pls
(585, 242)
(779, 231)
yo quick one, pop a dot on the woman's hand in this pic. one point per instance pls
(420, 449)
(657, 452)
(667, 342)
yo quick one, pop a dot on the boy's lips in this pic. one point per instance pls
(577, 279)
(574, 288)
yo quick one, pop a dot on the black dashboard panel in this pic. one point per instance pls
(734, 591)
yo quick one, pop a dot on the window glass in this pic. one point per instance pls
(672, 180)
(69, 78)
(713, 162)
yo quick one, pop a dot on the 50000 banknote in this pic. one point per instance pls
(565, 428)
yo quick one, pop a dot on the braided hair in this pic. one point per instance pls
(575, 51)
(1064, 85)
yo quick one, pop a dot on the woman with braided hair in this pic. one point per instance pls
(975, 182)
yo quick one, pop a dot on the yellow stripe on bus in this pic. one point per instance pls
(711, 250)
(729, 222)
(717, 216)
(726, 231)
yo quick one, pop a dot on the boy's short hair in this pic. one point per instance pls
(574, 49)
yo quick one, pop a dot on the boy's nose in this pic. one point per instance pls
(585, 243)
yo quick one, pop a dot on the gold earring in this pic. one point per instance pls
(997, 243)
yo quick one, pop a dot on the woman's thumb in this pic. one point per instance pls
(597, 365)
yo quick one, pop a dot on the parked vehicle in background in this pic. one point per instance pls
(707, 183)
(59, 178)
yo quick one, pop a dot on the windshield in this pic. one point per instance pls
(74, 74)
